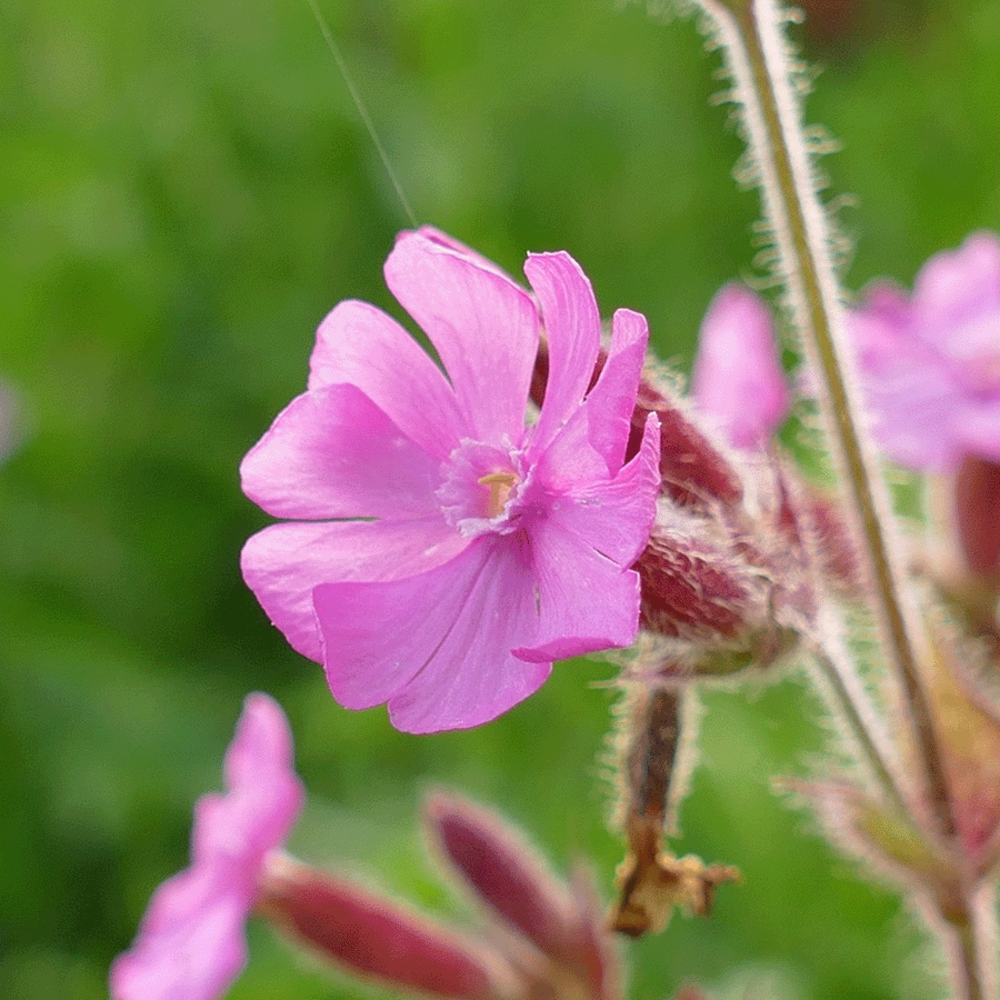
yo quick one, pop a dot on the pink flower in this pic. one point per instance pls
(191, 944)
(440, 552)
(738, 379)
(931, 362)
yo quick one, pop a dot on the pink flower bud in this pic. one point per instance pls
(502, 870)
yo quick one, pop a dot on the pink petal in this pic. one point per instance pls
(903, 414)
(592, 443)
(191, 944)
(881, 327)
(573, 327)
(611, 402)
(588, 598)
(333, 453)
(955, 286)
(587, 603)
(283, 563)
(362, 346)
(449, 242)
(435, 646)
(908, 390)
(738, 378)
(484, 327)
(264, 795)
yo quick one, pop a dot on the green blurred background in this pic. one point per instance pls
(185, 191)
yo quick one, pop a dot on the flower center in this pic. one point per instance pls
(482, 488)
(500, 484)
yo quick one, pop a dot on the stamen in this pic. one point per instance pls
(500, 484)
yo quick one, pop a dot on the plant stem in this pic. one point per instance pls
(761, 67)
(972, 948)
(845, 691)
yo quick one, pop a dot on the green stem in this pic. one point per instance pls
(850, 701)
(761, 67)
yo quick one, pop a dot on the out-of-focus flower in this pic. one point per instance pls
(439, 552)
(738, 380)
(191, 944)
(931, 361)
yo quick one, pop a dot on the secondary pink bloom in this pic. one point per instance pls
(738, 379)
(191, 944)
(931, 361)
(440, 552)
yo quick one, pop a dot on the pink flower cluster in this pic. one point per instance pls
(439, 552)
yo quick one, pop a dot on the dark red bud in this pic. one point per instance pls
(493, 859)
(693, 471)
(696, 590)
(505, 874)
(374, 937)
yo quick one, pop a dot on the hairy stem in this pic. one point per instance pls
(845, 692)
(759, 62)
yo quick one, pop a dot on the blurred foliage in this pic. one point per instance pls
(184, 192)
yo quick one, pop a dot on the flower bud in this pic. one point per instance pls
(694, 471)
(738, 379)
(888, 840)
(373, 937)
(716, 594)
(493, 860)
(503, 872)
